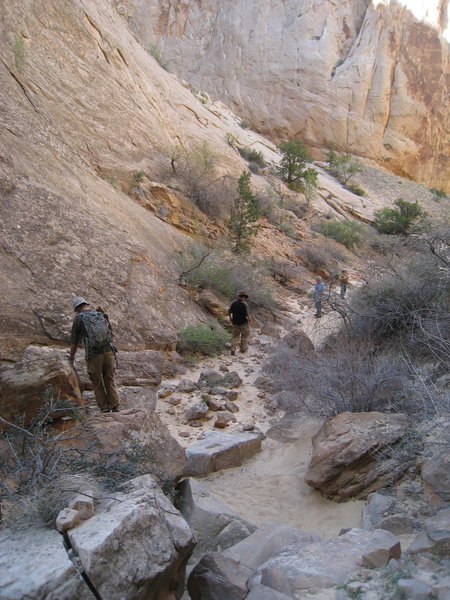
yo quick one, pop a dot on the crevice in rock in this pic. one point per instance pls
(74, 558)
(22, 87)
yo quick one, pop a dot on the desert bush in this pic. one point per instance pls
(346, 232)
(44, 464)
(438, 193)
(352, 187)
(319, 254)
(343, 167)
(295, 206)
(252, 155)
(206, 338)
(401, 220)
(195, 169)
(347, 376)
(225, 273)
(154, 50)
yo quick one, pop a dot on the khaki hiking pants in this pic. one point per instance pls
(240, 337)
(101, 370)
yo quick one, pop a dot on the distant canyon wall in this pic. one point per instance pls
(368, 76)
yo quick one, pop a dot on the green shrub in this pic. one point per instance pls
(438, 193)
(139, 176)
(343, 167)
(355, 189)
(245, 213)
(252, 155)
(294, 169)
(400, 220)
(345, 232)
(156, 53)
(207, 338)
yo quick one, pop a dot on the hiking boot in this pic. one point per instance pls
(115, 409)
(105, 410)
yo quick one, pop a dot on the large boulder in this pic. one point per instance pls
(435, 536)
(218, 450)
(436, 478)
(326, 564)
(35, 564)
(137, 546)
(218, 577)
(215, 525)
(27, 386)
(354, 454)
(139, 437)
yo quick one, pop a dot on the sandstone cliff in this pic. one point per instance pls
(82, 107)
(370, 77)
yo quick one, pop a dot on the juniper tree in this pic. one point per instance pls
(294, 168)
(245, 213)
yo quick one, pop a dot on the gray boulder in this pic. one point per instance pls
(215, 525)
(326, 564)
(34, 564)
(138, 397)
(218, 577)
(137, 546)
(196, 411)
(376, 509)
(435, 536)
(436, 478)
(218, 450)
(262, 592)
(212, 379)
(140, 368)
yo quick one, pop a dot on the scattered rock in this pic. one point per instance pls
(165, 391)
(187, 386)
(218, 450)
(225, 392)
(377, 507)
(299, 342)
(397, 524)
(221, 422)
(184, 434)
(67, 519)
(170, 410)
(216, 404)
(231, 407)
(195, 424)
(435, 537)
(414, 589)
(173, 400)
(347, 461)
(213, 379)
(84, 504)
(197, 411)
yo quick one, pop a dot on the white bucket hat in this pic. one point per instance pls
(76, 302)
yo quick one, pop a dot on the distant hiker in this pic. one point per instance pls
(318, 292)
(92, 327)
(343, 281)
(239, 317)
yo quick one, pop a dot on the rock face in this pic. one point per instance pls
(353, 454)
(83, 109)
(368, 76)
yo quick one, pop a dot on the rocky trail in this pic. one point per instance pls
(269, 486)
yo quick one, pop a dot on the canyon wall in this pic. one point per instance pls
(83, 107)
(371, 77)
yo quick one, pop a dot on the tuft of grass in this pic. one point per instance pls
(154, 50)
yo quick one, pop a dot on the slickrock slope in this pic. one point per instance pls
(369, 76)
(83, 107)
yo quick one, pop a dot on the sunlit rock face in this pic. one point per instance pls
(367, 75)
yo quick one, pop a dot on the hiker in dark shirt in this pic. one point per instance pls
(239, 317)
(101, 360)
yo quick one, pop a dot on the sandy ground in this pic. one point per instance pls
(270, 486)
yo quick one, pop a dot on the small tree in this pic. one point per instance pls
(293, 166)
(342, 166)
(400, 220)
(242, 222)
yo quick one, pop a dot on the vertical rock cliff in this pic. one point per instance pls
(369, 76)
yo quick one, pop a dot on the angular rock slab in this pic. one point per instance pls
(137, 547)
(215, 525)
(218, 450)
(326, 564)
(435, 536)
(34, 564)
(352, 454)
